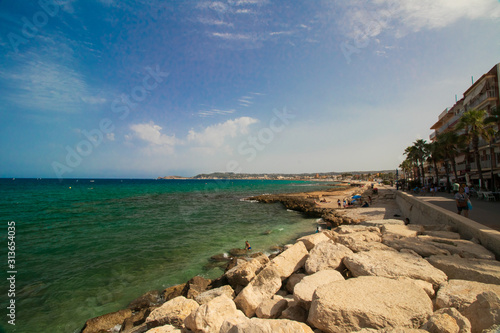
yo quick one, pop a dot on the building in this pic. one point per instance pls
(482, 95)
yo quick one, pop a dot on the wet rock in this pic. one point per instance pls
(173, 292)
(195, 286)
(246, 271)
(107, 321)
(149, 299)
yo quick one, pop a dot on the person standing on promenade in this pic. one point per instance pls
(461, 198)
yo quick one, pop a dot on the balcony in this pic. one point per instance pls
(484, 165)
(478, 100)
(432, 136)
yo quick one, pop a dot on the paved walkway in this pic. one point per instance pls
(484, 212)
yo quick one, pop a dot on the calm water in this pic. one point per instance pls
(86, 248)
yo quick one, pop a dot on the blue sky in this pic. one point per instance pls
(105, 88)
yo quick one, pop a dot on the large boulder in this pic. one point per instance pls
(310, 241)
(368, 302)
(245, 272)
(304, 290)
(271, 308)
(447, 320)
(263, 287)
(293, 280)
(462, 247)
(172, 312)
(479, 270)
(393, 264)
(484, 312)
(290, 260)
(424, 249)
(209, 295)
(326, 255)
(357, 237)
(173, 292)
(294, 312)
(195, 286)
(257, 325)
(209, 317)
(106, 322)
(400, 231)
(149, 299)
(164, 329)
(460, 294)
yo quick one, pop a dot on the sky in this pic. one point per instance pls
(141, 89)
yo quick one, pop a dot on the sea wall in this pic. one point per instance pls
(421, 212)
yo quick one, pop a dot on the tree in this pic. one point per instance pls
(422, 153)
(412, 158)
(472, 122)
(493, 118)
(436, 154)
(451, 144)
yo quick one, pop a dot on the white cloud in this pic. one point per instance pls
(232, 36)
(152, 133)
(216, 135)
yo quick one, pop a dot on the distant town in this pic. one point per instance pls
(386, 175)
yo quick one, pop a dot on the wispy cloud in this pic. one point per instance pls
(214, 112)
(232, 36)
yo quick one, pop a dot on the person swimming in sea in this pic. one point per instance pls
(247, 246)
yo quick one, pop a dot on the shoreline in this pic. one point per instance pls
(304, 202)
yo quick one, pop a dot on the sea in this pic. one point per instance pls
(84, 247)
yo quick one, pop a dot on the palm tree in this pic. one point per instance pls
(412, 158)
(472, 122)
(422, 153)
(451, 143)
(493, 118)
(436, 154)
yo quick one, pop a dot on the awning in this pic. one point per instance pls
(460, 159)
(476, 91)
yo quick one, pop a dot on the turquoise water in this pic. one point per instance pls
(86, 248)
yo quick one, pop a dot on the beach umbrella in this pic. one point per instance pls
(356, 197)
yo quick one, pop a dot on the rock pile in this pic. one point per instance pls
(377, 276)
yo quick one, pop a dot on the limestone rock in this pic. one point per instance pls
(304, 290)
(492, 329)
(172, 312)
(357, 239)
(460, 294)
(393, 264)
(173, 292)
(479, 270)
(424, 249)
(263, 287)
(137, 319)
(426, 286)
(350, 229)
(209, 295)
(401, 231)
(311, 240)
(462, 247)
(107, 321)
(257, 325)
(368, 302)
(245, 272)
(209, 317)
(151, 298)
(293, 280)
(271, 308)
(295, 312)
(381, 223)
(442, 234)
(326, 255)
(164, 329)
(447, 320)
(290, 260)
(484, 312)
(195, 286)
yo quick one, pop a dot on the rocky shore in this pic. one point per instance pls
(369, 275)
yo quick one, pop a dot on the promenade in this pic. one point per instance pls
(484, 212)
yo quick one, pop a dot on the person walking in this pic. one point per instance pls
(461, 198)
